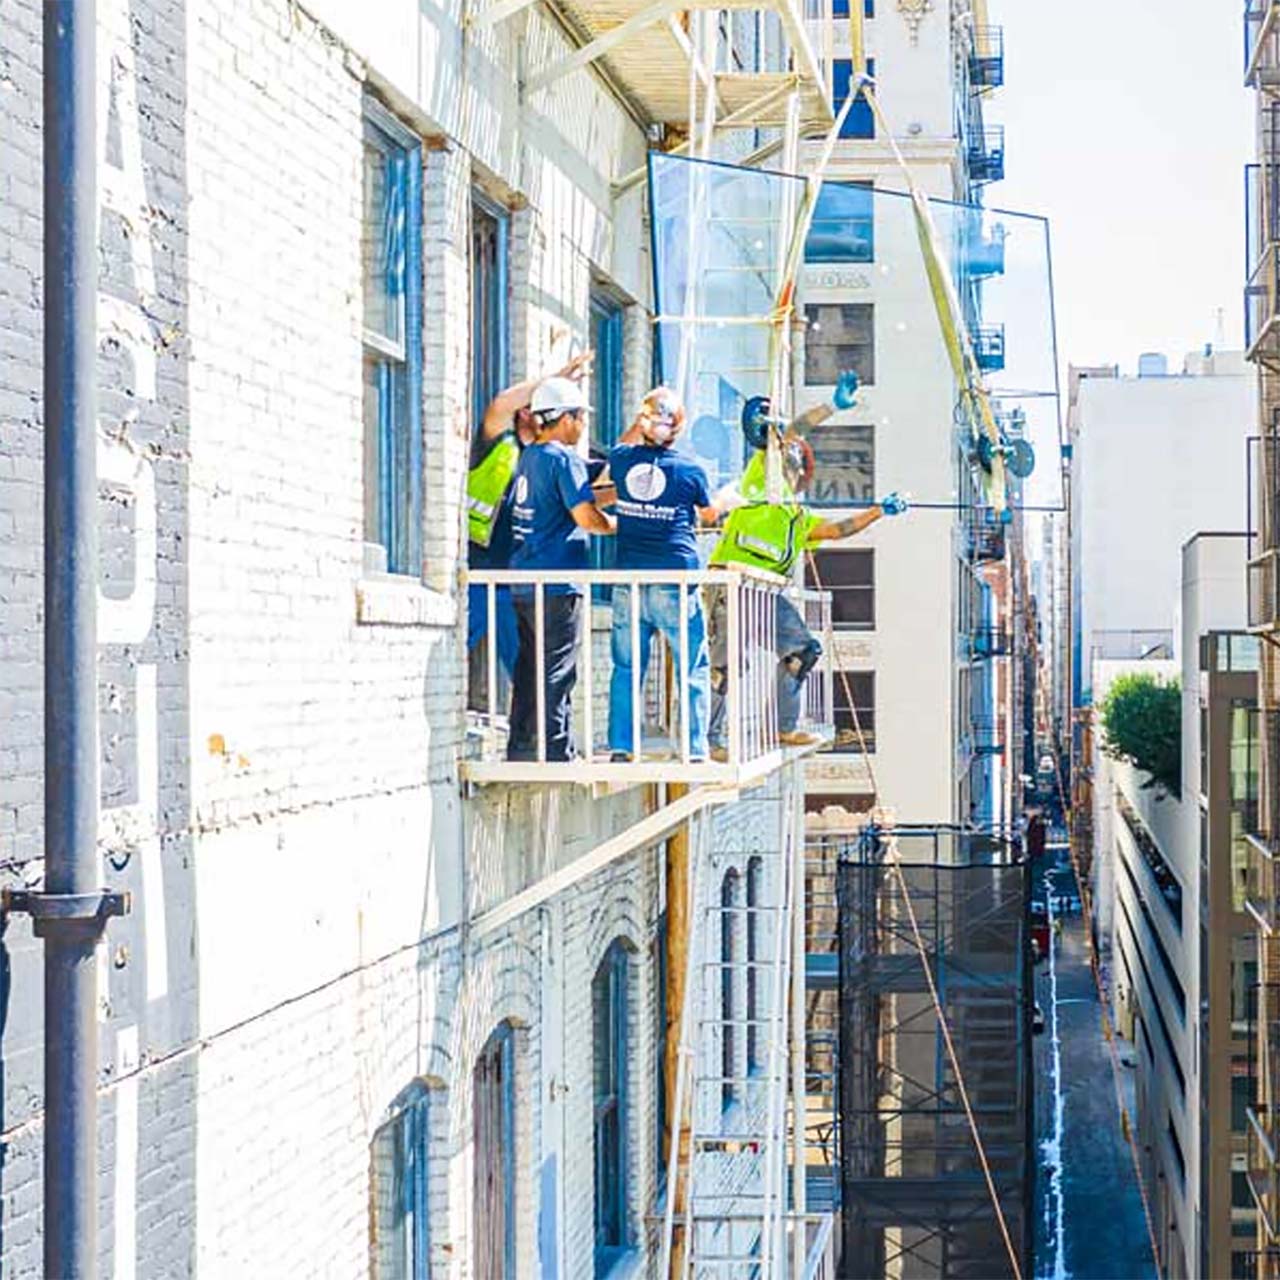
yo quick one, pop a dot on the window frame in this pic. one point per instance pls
(866, 709)
(860, 124)
(849, 435)
(500, 1048)
(730, 895)
(863, 364)
(866, 221)
(490, 365)
(397, 446)
(610, 1111)
(823, 561)
(754, 877)
(411, 1111)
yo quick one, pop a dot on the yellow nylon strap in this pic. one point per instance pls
(955, 335)
(857, 43)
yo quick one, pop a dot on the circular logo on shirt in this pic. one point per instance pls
(645, 482)
(522, 489)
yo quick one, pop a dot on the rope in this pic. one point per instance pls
(895, 862)
(1086, 904)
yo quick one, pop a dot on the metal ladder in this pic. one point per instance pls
(734, 1070)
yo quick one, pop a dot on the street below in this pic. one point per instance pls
(1088, 1210)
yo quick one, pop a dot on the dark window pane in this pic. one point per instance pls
(849, 574)
(844, 471)
(851, 733)
(839, 336)
(489, 321)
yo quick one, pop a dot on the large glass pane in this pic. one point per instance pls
(722, 247)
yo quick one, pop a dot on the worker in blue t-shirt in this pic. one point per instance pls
(506, 429)
(661, 496)
(553, 514)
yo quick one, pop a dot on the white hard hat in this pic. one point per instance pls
(556, 396)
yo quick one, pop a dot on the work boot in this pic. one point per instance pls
(798, 738)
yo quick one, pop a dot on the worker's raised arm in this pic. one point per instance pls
(502, 409)
(586, 515)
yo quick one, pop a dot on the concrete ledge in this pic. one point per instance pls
(402, 602)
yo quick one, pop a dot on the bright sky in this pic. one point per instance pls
(1128, 126)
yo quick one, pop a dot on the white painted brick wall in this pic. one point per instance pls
(324, 848)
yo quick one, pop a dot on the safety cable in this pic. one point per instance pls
(895, 861)
(1086, 904)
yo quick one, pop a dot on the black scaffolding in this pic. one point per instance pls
(913, 1199)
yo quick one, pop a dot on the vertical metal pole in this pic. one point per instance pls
(793, 816)
(70, 636)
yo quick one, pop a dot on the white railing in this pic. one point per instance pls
(819, 1261)
(744, 603)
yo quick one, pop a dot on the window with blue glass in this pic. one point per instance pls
(859, 123)
(606, 403)
(490, 320)
(840, 8)
(398, 1202)
(391, 265)
(494, 1167)
(609, 1095)
(844, 226)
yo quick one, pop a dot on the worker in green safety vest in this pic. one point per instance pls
(773, 536)
(507, 427)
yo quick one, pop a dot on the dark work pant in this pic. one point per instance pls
(561, 621)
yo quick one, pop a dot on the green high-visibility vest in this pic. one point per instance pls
(487, 485)
(763, 535)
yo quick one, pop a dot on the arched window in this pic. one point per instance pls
(755, 877)
(609, 1096)
(493, 1123)
(729, 907)
(398, 1158)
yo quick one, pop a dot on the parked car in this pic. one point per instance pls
(1037, 1020)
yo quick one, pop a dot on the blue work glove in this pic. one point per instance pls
(846, 391)
(893, 504)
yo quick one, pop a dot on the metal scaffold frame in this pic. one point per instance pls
(913, 1193)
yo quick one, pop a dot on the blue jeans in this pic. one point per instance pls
(505, 615)
(790, 637)
(659, 611)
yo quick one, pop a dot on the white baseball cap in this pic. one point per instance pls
(556, 396)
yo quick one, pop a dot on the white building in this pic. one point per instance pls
(932, 705)
(1157, 457)
(1180, 960)
(367, 1015)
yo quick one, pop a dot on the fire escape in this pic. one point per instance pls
(735, 1104)
(1262, 338)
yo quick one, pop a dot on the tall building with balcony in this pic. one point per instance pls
(938, 699)
(1262, 338)
(1181, 962)
(388, 1003)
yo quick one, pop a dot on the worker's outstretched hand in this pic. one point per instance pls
(893, 504)
(846, 391)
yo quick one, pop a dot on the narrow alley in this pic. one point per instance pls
(1089, 1219)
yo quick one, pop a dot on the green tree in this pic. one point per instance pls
(1142, 717)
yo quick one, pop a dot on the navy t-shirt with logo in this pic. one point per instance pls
(550, 481)
(658, 490)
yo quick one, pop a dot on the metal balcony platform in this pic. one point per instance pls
(600, 770)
